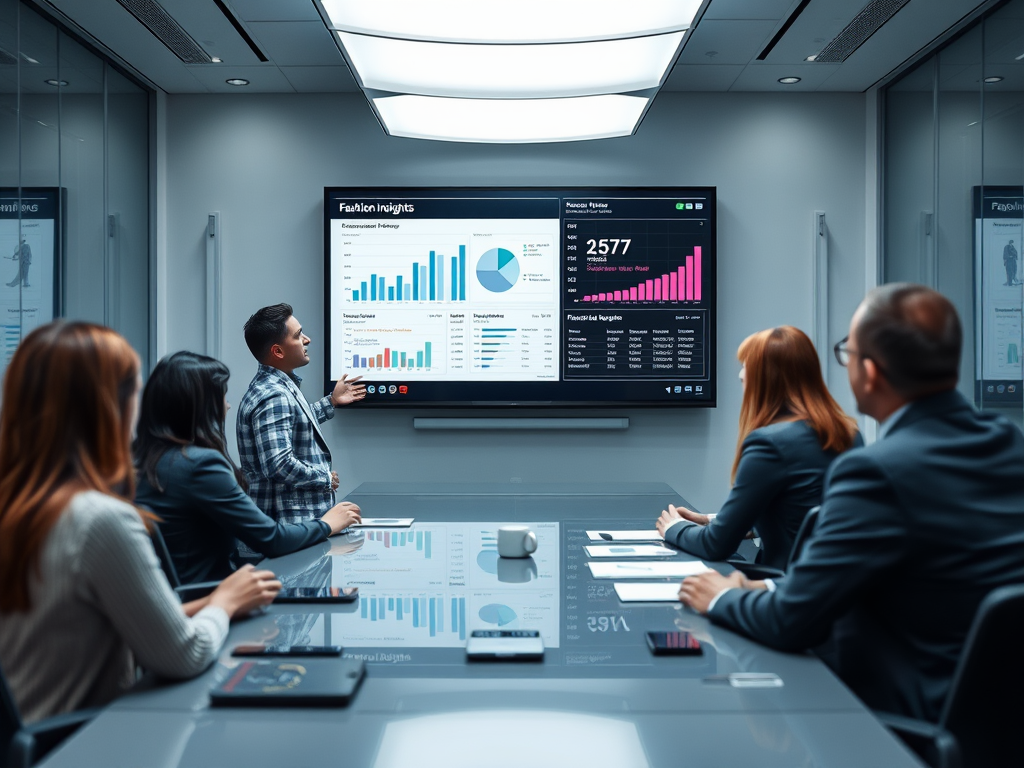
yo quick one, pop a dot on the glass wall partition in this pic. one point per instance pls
(74, 185)
(953, 174)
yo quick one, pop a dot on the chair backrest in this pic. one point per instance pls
(804, 533)
(985, 707)
(10, 720)
(164, 555)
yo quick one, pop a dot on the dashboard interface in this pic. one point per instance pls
(533, 297)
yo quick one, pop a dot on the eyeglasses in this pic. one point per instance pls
(844, 353)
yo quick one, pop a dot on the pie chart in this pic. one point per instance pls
(497, 270)
(496, 613)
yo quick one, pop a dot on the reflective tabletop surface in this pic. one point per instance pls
(598, 698)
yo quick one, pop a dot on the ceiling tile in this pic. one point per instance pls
(297, 43)
(749, 9)
(262, 79)
(275, 10)
(702, 77)
(321, 79)
(731, 42)
(765, 77)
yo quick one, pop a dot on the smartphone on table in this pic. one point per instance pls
(673, 643)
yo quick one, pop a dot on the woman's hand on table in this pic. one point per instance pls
(244, 591)
(341, 516)
(674, 514)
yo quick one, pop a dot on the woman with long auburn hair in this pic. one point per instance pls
(791, 430)
(82, 596)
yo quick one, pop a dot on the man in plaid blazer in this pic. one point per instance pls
(283, 453)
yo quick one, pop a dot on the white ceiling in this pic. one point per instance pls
(719, 55)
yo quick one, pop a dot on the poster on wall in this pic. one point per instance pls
(999, 294)
(29, 232)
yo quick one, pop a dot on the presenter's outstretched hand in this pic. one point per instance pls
(347, 390)
(698, 591)
(341, 516)
(673, 513)
(245, 590)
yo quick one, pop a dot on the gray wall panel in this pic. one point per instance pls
(263, 160)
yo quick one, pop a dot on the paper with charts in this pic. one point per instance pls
(675, 570)
(429, 586)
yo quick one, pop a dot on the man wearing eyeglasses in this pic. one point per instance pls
(914, 530)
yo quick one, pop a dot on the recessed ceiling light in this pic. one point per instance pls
(550, 70)
(812, 57)
(994, 79)
(510, 121)
(29, 59)
(789, 80)
(236, 81)
(216, 59)
(57, 83)
(525, 21)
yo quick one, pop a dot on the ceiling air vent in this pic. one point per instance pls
(863, 26)
(7, 58)
(167, 30)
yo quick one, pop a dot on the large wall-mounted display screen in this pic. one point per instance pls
(526, 297)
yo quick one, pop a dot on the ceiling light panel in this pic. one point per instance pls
(510, 121)
(511, 71)
(523, 21)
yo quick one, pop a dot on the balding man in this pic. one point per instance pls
(914, 529)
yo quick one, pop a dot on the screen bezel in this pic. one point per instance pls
(710, 271)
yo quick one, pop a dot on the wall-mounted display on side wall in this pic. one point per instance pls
(545, 297)
(30, 231)
(999, 294)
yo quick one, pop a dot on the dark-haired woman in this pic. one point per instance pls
(82, 596)
(791, 430)
(187, 478)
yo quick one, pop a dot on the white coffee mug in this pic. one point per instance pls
(516, 541)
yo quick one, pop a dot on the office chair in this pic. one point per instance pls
(21, 745)
(978, 727)
(804, 533)
(185, 592)
(757, 571)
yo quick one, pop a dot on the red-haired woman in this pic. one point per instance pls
(791, 430)
(82, 596)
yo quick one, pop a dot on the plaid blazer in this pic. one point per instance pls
(283, 454)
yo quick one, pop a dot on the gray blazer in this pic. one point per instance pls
(914, 531)
(781, 475)
(203, 510)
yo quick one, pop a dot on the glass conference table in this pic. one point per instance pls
(599, 699)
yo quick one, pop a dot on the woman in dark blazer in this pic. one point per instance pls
(791, 430)
(188, 479)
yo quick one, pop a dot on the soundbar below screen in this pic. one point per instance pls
(529, 297)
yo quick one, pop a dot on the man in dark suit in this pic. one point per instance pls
(914, 529)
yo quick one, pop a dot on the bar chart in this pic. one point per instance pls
(419, 541)
(432, 615)
(388, 359)
(681, 284)
(431, 277)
